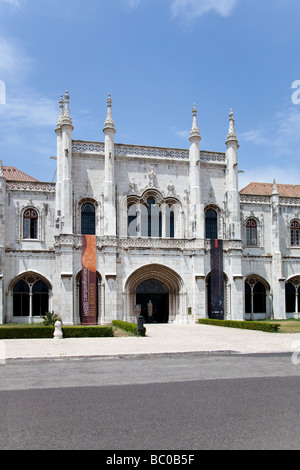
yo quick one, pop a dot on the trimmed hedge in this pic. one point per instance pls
(246, 325)
(38, 332)
(87, 331)
(130, 327)
(26, 332)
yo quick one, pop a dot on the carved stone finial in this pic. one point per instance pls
(109, 123)
(67, 116)
(61, 110)
(231, 131)
(274, 188)
(195, 129)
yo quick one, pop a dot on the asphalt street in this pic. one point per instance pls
(175, 402)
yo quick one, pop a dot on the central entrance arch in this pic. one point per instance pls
(160, 285)
(153, 296)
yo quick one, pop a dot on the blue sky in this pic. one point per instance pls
(156, 58)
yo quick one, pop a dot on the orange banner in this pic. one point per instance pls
(88, 281)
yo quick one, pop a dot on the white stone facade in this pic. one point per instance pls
(150, 214)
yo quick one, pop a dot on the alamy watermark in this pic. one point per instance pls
(2, 92)
(296, 94)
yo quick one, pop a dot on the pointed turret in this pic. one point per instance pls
(196, 206)
(109, 179)
(67, 116)
(61, 111)
(195, 132)
(233, 201)
(109, 122)
(231, 136)
(64, 128)
(274, 187)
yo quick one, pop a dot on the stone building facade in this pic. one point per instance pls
(156, 215)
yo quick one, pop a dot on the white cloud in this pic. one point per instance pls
(29, 111)
(196, 8)
(280, 133)
(14, 62)
(134, 3)
(277, 144)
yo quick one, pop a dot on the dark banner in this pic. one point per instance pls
(217, 279)
(88, 281)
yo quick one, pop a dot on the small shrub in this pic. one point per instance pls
(50, 318)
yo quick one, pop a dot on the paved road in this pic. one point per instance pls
(170, 402)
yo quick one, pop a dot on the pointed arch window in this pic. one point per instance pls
(30, 297)
(211, 224)
(151, 219)
(88, 219)
(30, 224)
(170, 222)
(295, 233)
(132, 220)
(251, 232)
(255, 296)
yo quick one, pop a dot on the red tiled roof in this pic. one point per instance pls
(265, 189)
(13, 174)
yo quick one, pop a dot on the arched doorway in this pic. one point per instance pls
(162, 286)
(153, 296)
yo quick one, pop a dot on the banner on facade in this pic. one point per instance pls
(217, 279)
(89, 281)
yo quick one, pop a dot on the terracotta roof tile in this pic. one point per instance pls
(265, 189)
(13, 174)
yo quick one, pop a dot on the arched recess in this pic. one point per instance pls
(292, 297)
(30, 297)
(99, 294)
(257, 293)
(164, 275)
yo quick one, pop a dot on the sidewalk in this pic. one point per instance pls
(160, 339)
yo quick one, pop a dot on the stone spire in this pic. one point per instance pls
(274, 187)
(67, 116)
(231, 136)
(61, 110)
(195, 129)
(109, 123)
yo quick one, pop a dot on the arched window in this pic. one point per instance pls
(40, 298)
(88, 221)
(21, 299)
(30, 224)
(211, 224)
(255, 296)
(30, 297)
(292, 296)
(170, 222)
(251, 232)
(151, 219)
(132, 220)
(294, 233)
